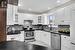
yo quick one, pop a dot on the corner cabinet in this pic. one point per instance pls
(11, 14)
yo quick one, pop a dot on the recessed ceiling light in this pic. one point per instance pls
(58, 1)
(48, 8)
(19, 4)
(29, 9)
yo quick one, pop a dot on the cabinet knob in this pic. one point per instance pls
(72, 43)
(64, 37)
(12, 38)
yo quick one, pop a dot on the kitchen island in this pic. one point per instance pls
(16, 45)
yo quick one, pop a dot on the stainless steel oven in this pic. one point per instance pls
(29, 36)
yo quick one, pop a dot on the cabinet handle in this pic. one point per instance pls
(73, 43)
(64, 37)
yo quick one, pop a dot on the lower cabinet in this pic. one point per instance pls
(12, 37)
(65, 42)
(43, 36)
(18, 37)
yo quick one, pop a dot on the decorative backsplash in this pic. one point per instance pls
(11, 28)
(64, 28)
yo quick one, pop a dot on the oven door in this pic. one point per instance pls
(30, 34)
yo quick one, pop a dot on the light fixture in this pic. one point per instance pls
(29, 9)
(48, 8)
(58, 1)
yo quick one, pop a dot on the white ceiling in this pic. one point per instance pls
(38, 6)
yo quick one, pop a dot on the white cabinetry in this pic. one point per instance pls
(72, 29)
(35, 20)
(18, 37)
(40, 19)
(11, 11)
(65, 42)
(46, 21)
(43, 36)
(23, 16)
(59, 16)
(9, 14)
(62, 16)
(46, 37)
(15, 15)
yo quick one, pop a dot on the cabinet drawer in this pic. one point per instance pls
(65, 38)
(12, 37)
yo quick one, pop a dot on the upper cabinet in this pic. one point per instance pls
(40, 19)
(59, 16)
(12, 16)
(13, 2)
(45, 19)
(35, 20)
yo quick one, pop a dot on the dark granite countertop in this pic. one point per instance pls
(61, 33)
(12, 33)
(29, 30)
(57, 33)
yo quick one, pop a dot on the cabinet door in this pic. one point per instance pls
(21, 36)
(60, 16)
(35, 20)
(65, 42)
(72, 27)
(40, 19)
(9, 14)
(46, 38)
(37, 35)
(15, 15)
(45, 20)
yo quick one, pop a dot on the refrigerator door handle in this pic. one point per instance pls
(72, 43)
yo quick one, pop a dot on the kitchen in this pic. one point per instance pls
(45, 24)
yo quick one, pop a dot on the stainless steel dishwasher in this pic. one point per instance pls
(55, 41)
